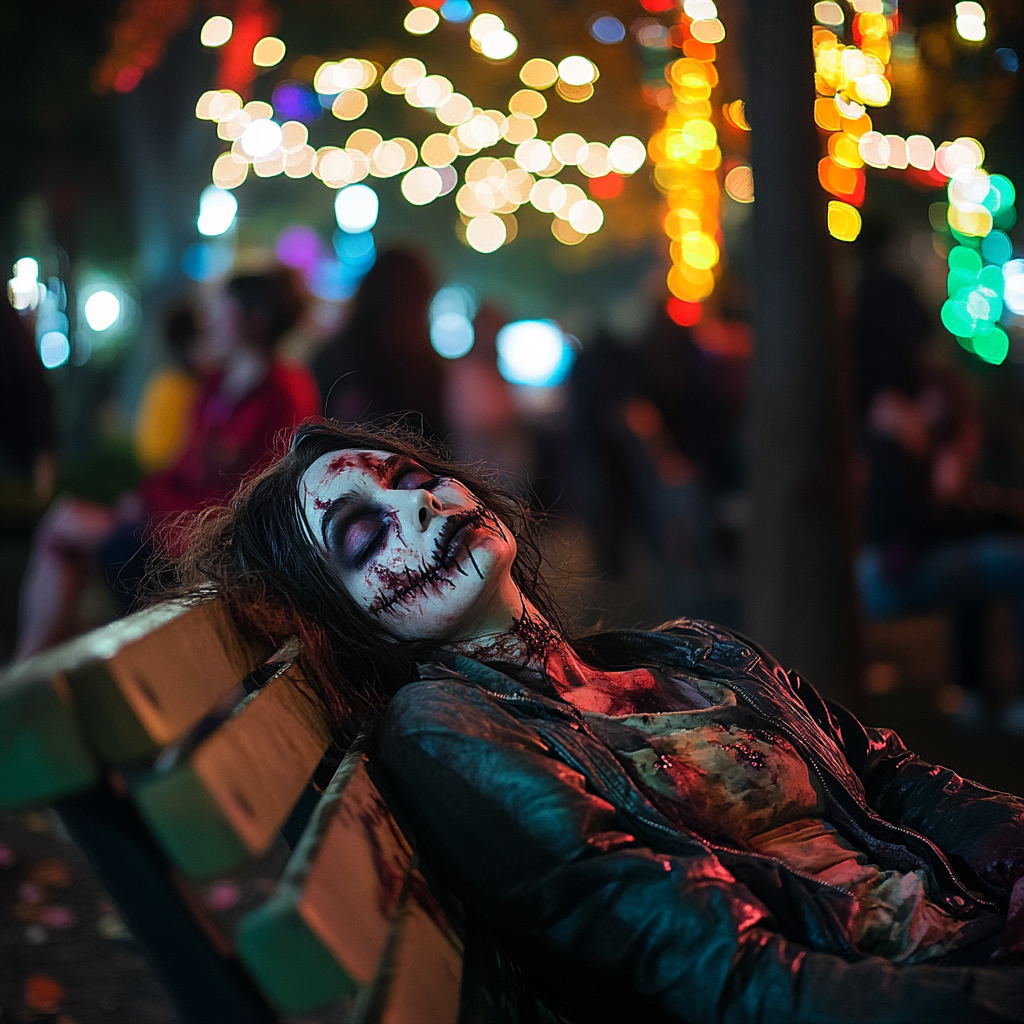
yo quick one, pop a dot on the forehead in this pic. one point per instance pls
(349, 468)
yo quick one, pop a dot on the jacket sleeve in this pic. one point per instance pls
(974, 826)
(515, 832)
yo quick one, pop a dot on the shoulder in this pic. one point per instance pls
(298, 385)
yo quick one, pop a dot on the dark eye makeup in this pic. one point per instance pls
(355, 536)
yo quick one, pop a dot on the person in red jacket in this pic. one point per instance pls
(246, 397)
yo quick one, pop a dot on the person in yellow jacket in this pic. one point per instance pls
(162, 420)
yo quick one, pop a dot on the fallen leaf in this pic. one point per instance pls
(52, 872)
(58, 917)
(222, 895)
(43, 994)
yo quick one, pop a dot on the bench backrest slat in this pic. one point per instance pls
(227, 799)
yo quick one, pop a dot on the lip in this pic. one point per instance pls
(451, 538)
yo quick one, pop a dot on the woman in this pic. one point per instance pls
(245, 397)
(652, 826)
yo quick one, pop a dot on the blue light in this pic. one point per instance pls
(452, 335)
(205, 261)
(606, 29)
(355, 251)
(457, 11)
(533, 352)
(54, 349)
(295, 101)
(1007, 59)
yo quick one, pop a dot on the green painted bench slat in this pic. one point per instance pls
(228, 798)
(341, 891)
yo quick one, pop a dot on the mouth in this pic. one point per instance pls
(449, 546)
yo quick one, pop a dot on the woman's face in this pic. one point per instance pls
(418, 552)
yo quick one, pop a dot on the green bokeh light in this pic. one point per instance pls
(991, 344)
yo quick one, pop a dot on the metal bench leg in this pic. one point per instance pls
(205, 987)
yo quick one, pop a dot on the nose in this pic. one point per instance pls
(426, 510)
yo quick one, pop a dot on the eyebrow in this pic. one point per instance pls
(389, 467)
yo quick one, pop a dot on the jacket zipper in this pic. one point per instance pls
(907, 832)
(704, 842)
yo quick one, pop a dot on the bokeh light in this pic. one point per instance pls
(216, 31)
(739, 184)
(268, 52)
(577, 70)
(217, 210)
(421, 185)
(970, 21)
(486, 233)
(261, 138)
(54, 349)
(499, 45)
(457, 11)
(538, 73)
(843, 221)
(298, 246)
(356, 208)
(421, 21)
(533, 353)
(451, 335)
(607, 29)
(102, 310)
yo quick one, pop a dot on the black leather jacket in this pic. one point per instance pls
(617, 915)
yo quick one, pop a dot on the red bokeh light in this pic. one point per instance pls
(686, 314)
(608, 186)
(657, 6)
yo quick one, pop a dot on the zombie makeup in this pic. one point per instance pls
(418, 552)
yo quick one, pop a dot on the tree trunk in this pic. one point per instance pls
(801, 602)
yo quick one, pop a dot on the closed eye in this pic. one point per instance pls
(356, 538)
(415, 479)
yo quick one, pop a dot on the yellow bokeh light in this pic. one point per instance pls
(300, 163)
(541, 193)
(739, 184)
(534, 155)
(970, 219)
(439, 150)
(699, 250)
(690, 287)
(483, 25)
(294, 135)
(455, 109)
(216, 31)
(843, 221)
(920, 152)
(268, 51)
(229, 171)
(538, 73)
(844, 150)
(596, 163)
(486, 233)
(528, 102)
(366, 140)
(565, 232)
(586, 216)
(519, 128)
(422, 185)
(563, 201)
(387, 160)
(627, 154)
(421, 21)
(828, 13)
(569, 148)
(574, 93)
(258, 110)
(349, 105)
(708, 30)
(403, 74)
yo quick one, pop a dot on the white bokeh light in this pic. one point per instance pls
(261, 137)
(1013, 286)
(217, 210)
(355, 208)
(533, 352)
(102, 309)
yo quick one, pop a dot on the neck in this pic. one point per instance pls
(244, 372)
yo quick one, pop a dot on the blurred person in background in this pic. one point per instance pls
(245, 397)
(381, 363)
(480, 408)
(26, 420)
(936, 536)
(165, 409)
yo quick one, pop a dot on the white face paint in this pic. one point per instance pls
(419, 553)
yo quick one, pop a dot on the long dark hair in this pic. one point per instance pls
(257, 556)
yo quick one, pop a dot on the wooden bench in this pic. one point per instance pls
(144, 739)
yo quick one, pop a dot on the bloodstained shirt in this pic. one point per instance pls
(734, 781)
